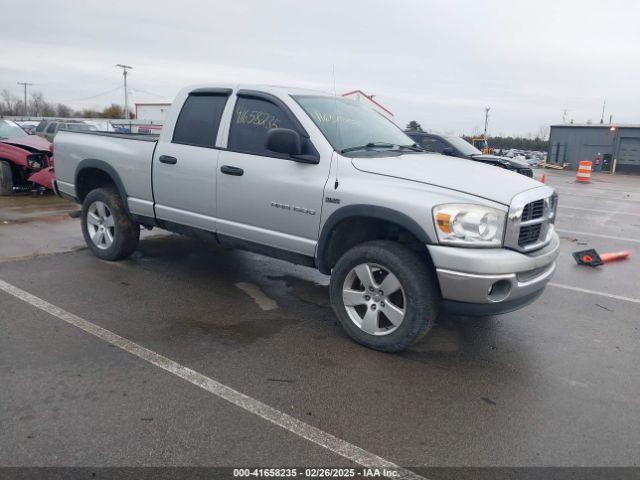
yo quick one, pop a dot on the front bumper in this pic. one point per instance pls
(476, 281)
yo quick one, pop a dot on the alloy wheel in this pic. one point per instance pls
(101, 225)
(374, 299)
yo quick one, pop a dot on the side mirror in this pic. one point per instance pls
(284, 140)
(448, 151)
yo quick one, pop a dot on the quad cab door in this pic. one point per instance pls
(266, 198)
(185, 164)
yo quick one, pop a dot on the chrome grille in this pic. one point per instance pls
(530, 220)
(533, 210)
(529, 234)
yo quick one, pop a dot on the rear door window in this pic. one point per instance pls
(252, 120)
(52, 127)
(199, 120)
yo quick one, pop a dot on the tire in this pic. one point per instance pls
(6, 179)
(107, 228)
(417, 295)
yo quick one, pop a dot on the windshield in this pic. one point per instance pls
(347, 124)
(463, 146)
(10, 129)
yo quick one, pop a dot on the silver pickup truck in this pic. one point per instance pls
(328, 183)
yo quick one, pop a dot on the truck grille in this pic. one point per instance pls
(528, 228)
(533, 210)
(529, 234)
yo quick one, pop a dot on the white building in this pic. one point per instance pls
(152, 112)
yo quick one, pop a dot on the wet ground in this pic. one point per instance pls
(556, 383)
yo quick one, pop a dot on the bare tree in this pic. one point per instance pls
(9, 103)
(37, 104)
(543, 132)
(62, 111)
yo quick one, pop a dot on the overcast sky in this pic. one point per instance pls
(438, 62)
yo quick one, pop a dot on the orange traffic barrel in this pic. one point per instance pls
(584, 172)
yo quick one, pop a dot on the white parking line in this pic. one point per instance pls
(245, 402)
(611, 212)
(594, 292)
(588, 234)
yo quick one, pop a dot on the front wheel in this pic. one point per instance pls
(107, 228)
(384, 295)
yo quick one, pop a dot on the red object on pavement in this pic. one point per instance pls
(592, 258)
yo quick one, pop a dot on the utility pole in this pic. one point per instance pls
(486, 121)
(604, 104)
(25, 85)
(125, 69)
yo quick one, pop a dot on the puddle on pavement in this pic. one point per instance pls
(305, 290)
(241, 333)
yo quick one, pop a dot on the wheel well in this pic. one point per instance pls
(90, 179)
(352, 231)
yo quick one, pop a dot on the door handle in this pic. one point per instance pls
(168, 159)
(229, 170)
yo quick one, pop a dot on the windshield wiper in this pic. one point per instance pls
(415, 147)
(367, 146)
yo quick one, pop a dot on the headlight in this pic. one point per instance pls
(469, 225)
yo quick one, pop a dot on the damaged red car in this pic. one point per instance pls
(26, 161)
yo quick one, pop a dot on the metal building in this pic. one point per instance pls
(611, 148)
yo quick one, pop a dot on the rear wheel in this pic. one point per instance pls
(384, 295)
(107, 228)
(6, 178)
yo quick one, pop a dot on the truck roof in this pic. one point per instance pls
(274, 89)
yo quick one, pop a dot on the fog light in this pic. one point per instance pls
(499, 290)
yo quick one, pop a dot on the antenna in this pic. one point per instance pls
(604, 104)
(335, 101)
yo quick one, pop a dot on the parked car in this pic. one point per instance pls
(52, 127)
(459, 147)
(328, 183)
(25, 159)
(28, 126)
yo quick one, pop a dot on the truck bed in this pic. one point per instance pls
(127, 155)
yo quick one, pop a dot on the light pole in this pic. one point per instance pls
(25, 85)
(125, 69)
(486, 121)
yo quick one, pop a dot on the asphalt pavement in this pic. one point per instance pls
(556, 383)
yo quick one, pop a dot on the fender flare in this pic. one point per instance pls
(362, 210)
(106, 168)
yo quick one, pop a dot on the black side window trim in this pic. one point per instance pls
(267, 97)
(203, 92)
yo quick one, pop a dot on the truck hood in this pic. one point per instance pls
(31, 142)
(501, 160)
(473, 178)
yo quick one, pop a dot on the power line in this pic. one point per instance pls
(92, 96)
(148, 93)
